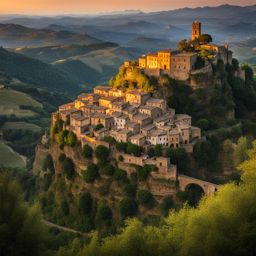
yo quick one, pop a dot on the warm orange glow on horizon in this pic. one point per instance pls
(88, 6)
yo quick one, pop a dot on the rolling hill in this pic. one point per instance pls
(13, 35)
(35, 72)
(54, 53)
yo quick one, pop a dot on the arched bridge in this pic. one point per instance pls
(208, 187)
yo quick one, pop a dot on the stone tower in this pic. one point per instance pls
(196, 29)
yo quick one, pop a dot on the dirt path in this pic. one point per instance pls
(50, 224)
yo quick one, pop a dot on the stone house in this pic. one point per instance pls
(157, 136)
(160, 103)
(102, 90)
(182, 64)
(106, 120)
(142, 119)
(136, 97)
(120, 120)
(138, 139)
(152, 111)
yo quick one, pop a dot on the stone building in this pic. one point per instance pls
(196, 30)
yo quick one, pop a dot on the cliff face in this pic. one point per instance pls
(103, 189)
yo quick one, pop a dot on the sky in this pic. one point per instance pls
(98, 6)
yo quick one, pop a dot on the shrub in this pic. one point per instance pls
(158, 150)
(85, 203)
(91, 173)
(166, 205)
(104, 214)
(108, 170)
(120, 175)
(62, 157)
(120, 158)
(127, 208)
(145, 198)
(87, 151)
(64, 207)
(48, 164)
(98, 127)
(121, 146)
(70, 139)
(143, 172)
(133, 149)
(110, 139)
(101, 152)
(68, 168)
(203, 124)
(129, 190)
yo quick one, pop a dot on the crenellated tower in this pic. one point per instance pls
(196, 29)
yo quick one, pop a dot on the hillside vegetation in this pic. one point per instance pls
(35, 72)
(212, 228)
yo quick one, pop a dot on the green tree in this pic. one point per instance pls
(180, 158)
(129, 190)
(87, 151)
(98, 127)
(70, 139)
(85, 202)
(143, 172)
(22, 231)
(203, 124)
(134, 149)
(64, 207)
(121, 146)
(205, 38)
(104, 214)
(91, 173)
(166, 205)
(120, 175)
(158, 150)
(102, 152)
(68, 168)
(240, 153)
(127, 208)
(108, 170)
(145, 198)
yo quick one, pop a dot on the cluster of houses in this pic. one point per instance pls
(128, 116)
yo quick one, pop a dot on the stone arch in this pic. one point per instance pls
(194, 184)
(208, 188)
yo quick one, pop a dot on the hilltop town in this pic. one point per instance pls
(135, 117)
(193, 57)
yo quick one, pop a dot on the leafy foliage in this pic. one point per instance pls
(21, 232)
(135, 79)
(87, 151)
(91, 173)
(68, 168)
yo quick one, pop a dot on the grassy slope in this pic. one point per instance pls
(9, 158)
(21, 125)
(10, 100)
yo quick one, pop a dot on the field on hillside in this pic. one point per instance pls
(11, 100)
(9, 158)
(21, 125)
(110, 57)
